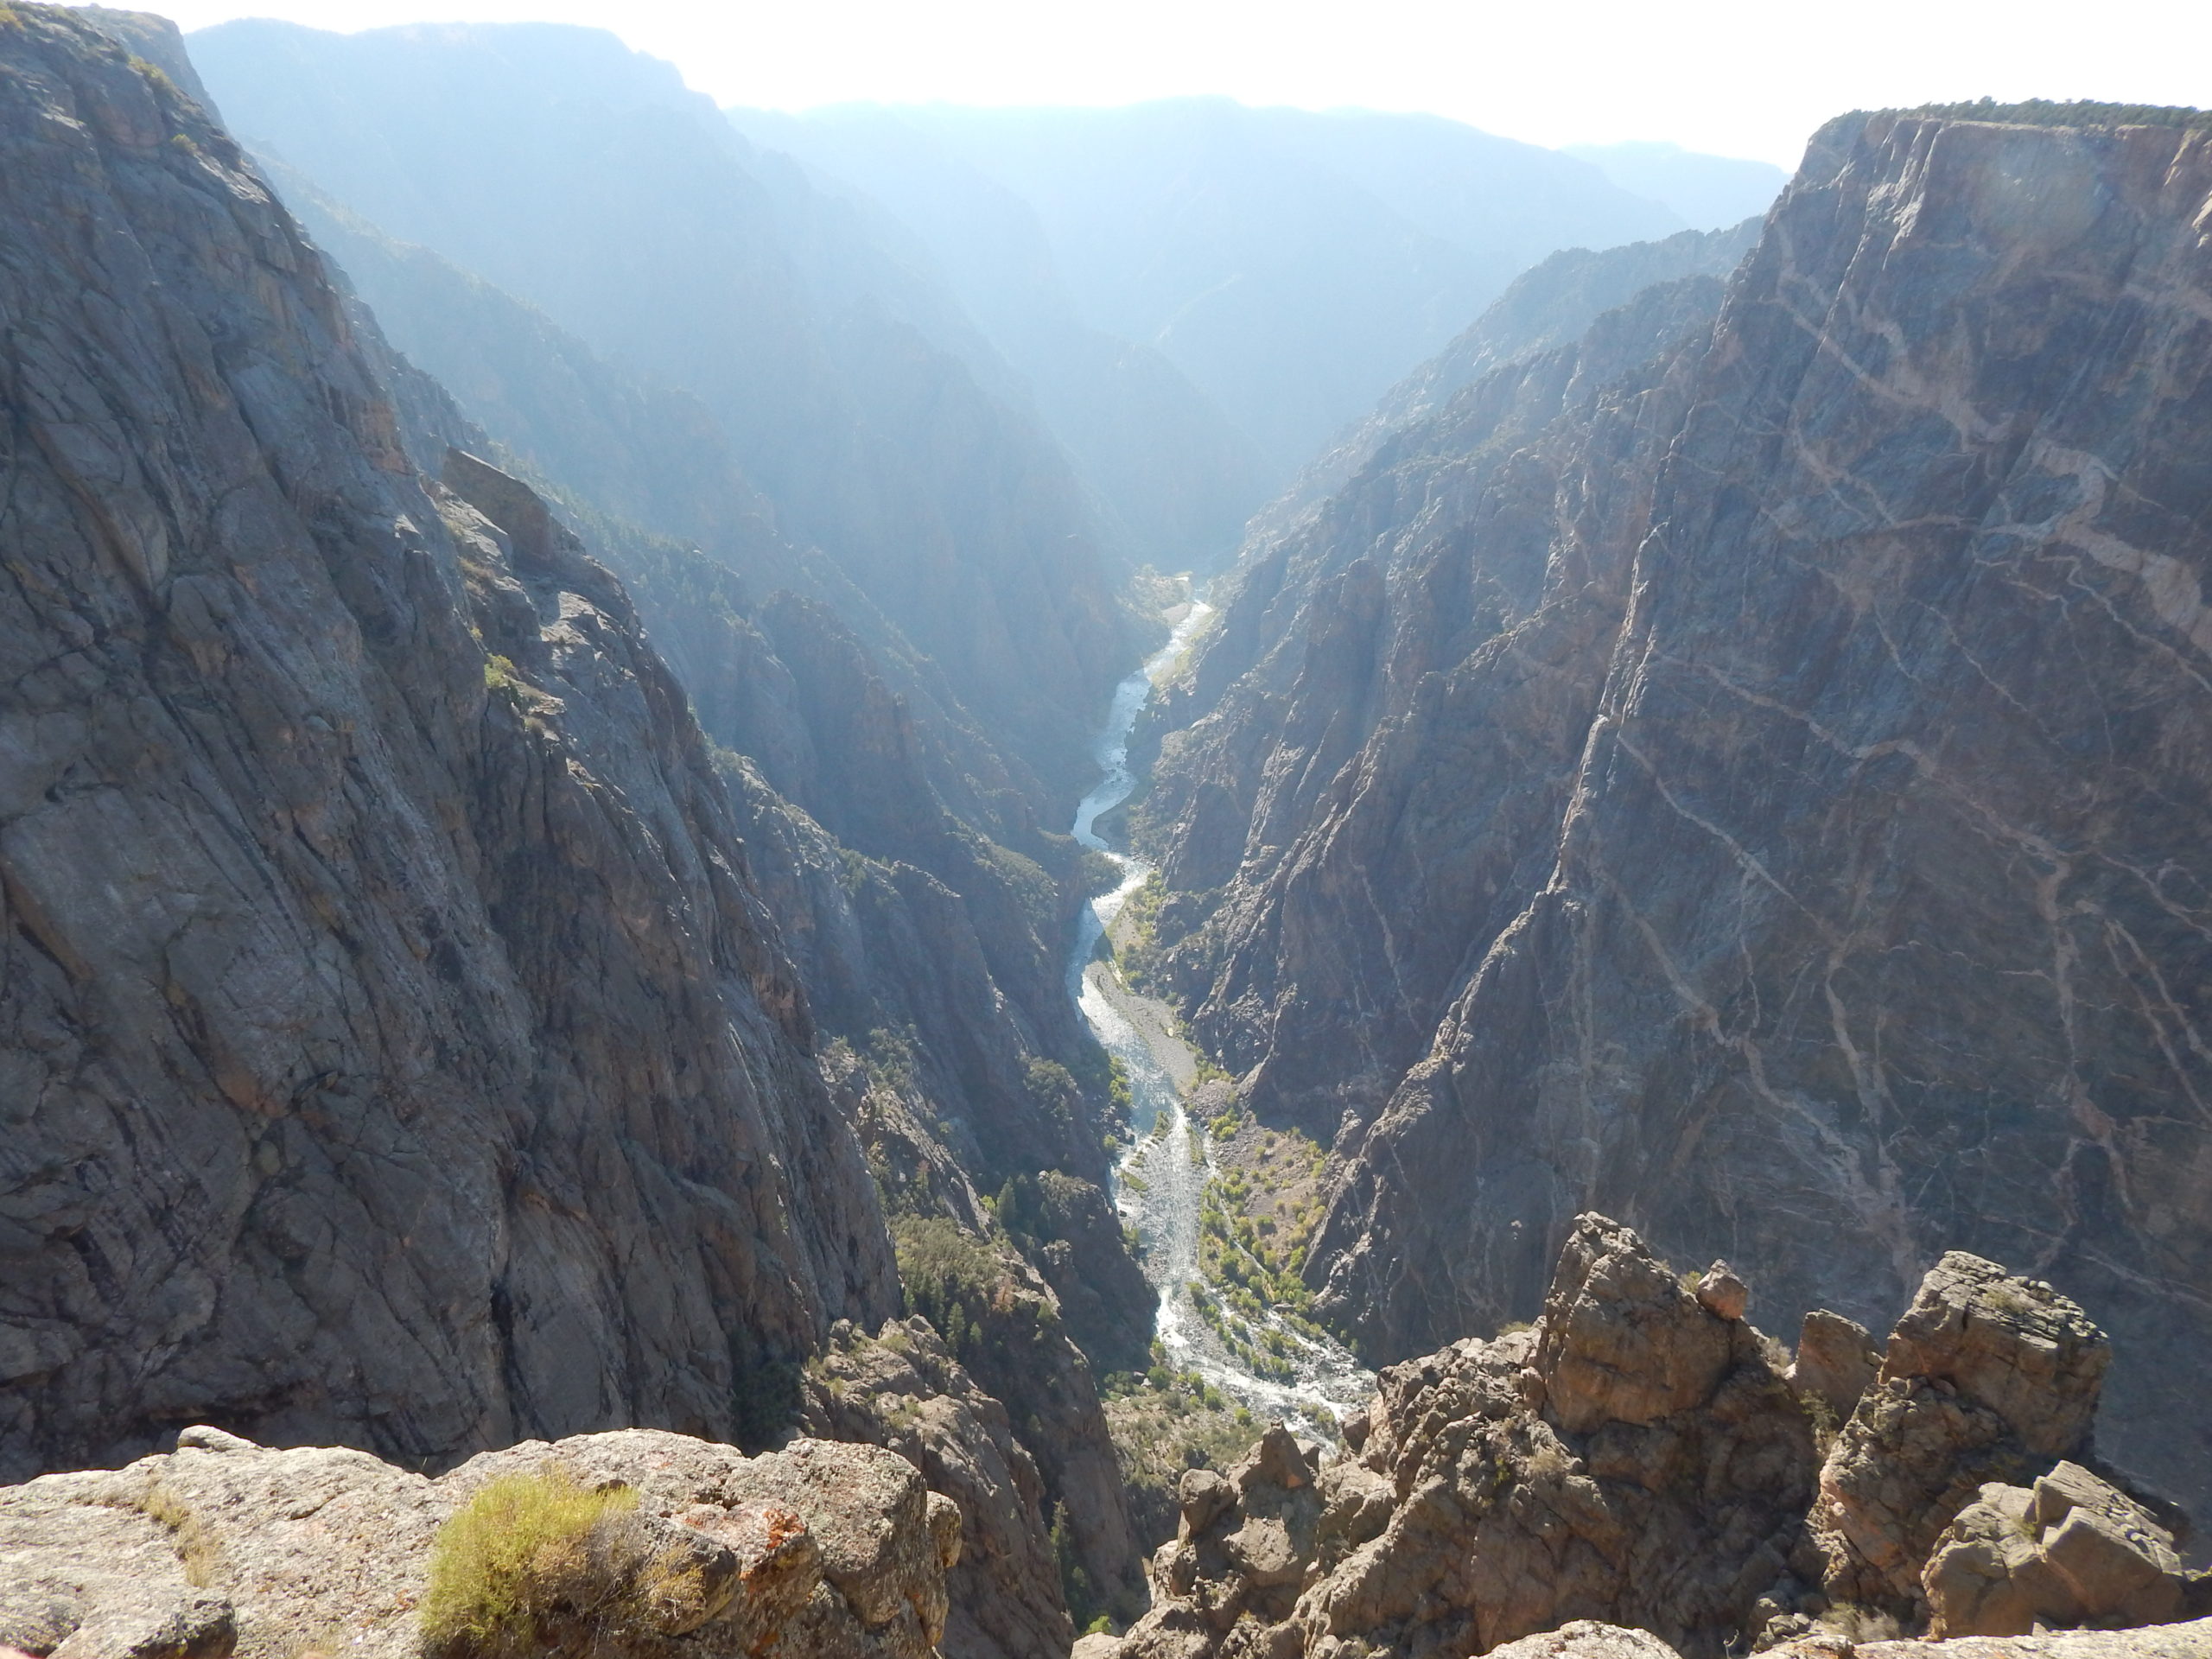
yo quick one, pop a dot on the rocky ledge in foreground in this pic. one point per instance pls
(223, 1547)
(1643, 1456)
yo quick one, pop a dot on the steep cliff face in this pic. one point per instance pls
(1549, 305)
(1387, 780)
(586, 180)
(396, 1048)
(919, 900)
(1866, 915)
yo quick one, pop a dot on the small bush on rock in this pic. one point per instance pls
(510, 1558)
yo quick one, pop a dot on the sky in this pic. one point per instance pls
(1732, 77)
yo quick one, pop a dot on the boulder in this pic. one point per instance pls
(1585, 1638)
(1987, 1378)
(2073, 1550)
(1721, 1294)
(1836, 1361)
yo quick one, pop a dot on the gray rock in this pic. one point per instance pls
(1648, 783)
(819, 1549)
(1835, 1361)
(380, 980)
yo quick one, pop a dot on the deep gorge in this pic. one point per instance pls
(547, 653)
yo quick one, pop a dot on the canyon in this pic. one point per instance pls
(551, 927)
(1740, 769)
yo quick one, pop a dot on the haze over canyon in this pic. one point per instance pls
(1133, 882)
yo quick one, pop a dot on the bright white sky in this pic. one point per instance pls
(1733, 77)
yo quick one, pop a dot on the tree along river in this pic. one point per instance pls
(1161, 1179)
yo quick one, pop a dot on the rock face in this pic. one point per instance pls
(587, 180)
(1636, 1458)
(1986, 1378)
(2072, 1551)
(1703, 776)
(1640, 1458)
(2190, 1641)
(903, 1390)
(223, 1547)
(1549, 306)
(396, 1048)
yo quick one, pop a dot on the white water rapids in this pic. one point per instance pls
(1171, 1166)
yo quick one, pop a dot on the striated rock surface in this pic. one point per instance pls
(223, 1547)
(1806, 757)
(395, 1046)
(1549, 306)
(1426, 655)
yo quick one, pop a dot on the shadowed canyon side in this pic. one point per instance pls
(596, 1109)
(1761, 793)
(834, 373)
(383, 981)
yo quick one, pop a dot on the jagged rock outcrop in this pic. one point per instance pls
(1636, 1458)
(223, 1547)
(1987, 1378)
(1860, 824)
(398, 1051)
(900, 1389)
(1640, 1458)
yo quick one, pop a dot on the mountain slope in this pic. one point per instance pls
(1291, 265)
(1814, 874)
(1709, 192)
(383, 981)
(1178, 476)
(585, 180)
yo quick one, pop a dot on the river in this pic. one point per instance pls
(1160, 1180)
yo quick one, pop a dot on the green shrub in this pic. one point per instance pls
(510, 1558)
(2079, 112)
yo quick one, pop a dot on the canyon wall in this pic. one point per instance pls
(1764, 799)
(836, 374)
(383, 978)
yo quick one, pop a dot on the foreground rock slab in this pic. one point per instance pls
(225, 1547)
(2189, 1641)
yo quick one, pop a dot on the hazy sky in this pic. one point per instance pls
(1737, 77)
